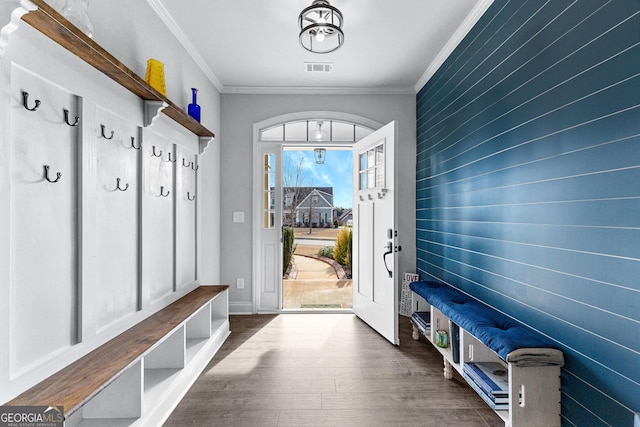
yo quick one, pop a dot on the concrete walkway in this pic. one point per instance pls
(316, 283)
(310, 268)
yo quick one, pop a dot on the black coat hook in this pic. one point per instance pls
(154, 152)
(133, 144)
(187, 165)
(189, 198)
(46, 175)
(25, 100)
(162, 192)
(103, 135)
(66, 118)
(169, 160)
(194, 166)
(126, 187)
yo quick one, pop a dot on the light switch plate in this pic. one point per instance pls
(238, 216)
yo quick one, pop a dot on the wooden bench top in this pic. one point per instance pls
(75, 384)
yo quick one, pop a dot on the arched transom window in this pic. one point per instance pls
(316, 130)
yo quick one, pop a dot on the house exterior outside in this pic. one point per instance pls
(315, 206)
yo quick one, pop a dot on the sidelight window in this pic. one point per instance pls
(269, 191)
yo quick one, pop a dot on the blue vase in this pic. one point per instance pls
(193, 108)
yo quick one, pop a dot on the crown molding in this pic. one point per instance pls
(175, 29)
(464, 28)
(472, 18)
(304, 90)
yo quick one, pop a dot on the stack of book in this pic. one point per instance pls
(454, 333)
(491, 381)
(422, 320)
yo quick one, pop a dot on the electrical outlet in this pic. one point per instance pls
(240, 283)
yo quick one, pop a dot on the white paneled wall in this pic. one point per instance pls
(159, 221)
(117, 192)
(43, 235)
(186, 216)
(110, 241)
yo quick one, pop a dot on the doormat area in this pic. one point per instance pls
(321, 306)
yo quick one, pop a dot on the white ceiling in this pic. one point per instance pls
(252, 45)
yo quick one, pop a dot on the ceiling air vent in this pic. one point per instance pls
(318, 67)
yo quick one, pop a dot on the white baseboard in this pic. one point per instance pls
(241, 307)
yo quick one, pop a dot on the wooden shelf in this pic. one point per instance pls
(50, 23)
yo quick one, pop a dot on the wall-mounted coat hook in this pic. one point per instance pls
(154, 152)
(188, 165)
(171, 160)
(126, 187)
(25, 100)
(194, 166)
(133, 144)
(46, 175)
(66, 118)
(103, 135)
(189, 198)
(162, 192)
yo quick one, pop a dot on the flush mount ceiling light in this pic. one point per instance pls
(321, 27)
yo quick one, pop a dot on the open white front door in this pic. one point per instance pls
(375, 293)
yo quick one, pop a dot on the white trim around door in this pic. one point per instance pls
(266, 298)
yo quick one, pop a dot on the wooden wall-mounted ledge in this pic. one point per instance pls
(50, 23)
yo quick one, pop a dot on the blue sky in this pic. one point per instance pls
(335, 172)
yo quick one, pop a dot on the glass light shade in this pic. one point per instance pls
(320, 134)
(320, 154)
(321, 27)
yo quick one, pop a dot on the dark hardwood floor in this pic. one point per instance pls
(326, 370)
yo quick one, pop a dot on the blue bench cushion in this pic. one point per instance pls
(497, 331)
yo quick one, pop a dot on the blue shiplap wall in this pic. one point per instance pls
(528, 186)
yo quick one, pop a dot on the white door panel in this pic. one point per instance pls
(375, 293)
(364, 284)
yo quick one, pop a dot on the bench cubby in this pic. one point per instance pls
(532, 364)
(139, 377)
(162, 365)
(119, 403)
(198, 331)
